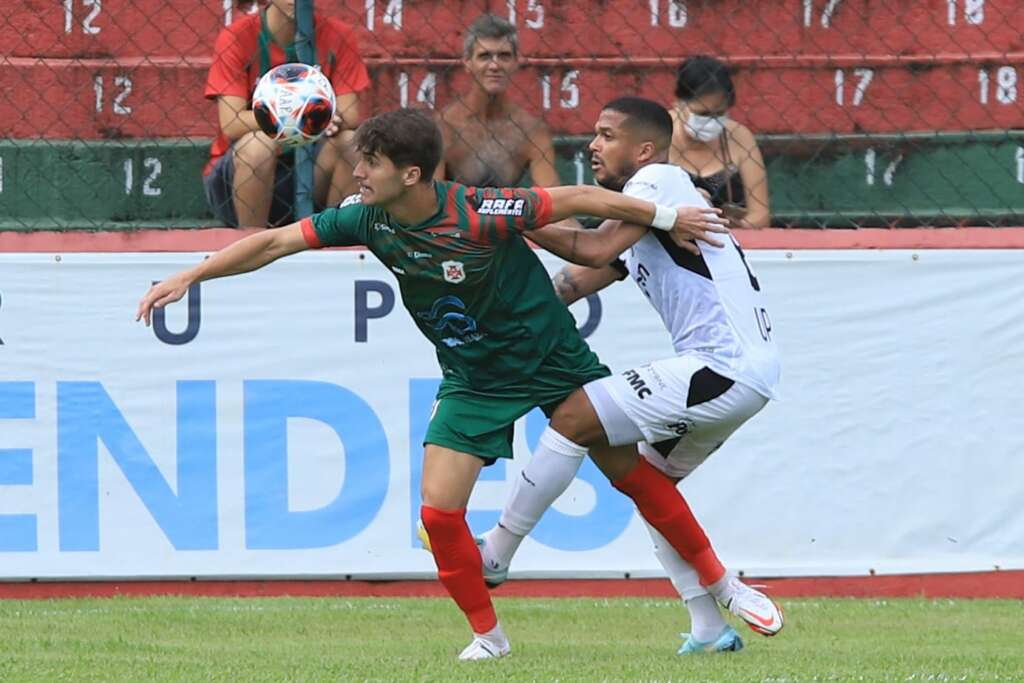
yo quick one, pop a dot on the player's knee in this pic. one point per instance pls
(616, 462)
(437, 495)
(254, 149)
(576, 420)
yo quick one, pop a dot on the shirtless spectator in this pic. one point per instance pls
(488, 139)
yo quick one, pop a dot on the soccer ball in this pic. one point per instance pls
(294, 104)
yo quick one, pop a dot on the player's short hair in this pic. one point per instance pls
(408, 137)
(703, 75)
(647, 117)
(489, 26)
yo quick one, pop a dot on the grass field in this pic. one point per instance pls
(416, 639)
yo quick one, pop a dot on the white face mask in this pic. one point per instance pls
(705, 128)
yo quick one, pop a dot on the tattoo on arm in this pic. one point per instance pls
(567, 289)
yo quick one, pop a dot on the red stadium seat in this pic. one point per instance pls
(111, 28)
(107, 98)
(94, 99)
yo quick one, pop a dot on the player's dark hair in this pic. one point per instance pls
(489, 26)
(408, 137)
(646, 115)
(703, 75)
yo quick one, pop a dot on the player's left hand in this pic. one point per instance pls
(335, 127)
(698, 223)
(162, 293)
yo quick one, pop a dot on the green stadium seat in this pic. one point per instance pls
(815, 181)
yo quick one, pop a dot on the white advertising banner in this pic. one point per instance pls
(271, 424)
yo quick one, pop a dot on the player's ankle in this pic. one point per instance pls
(721, 589)
(496, 635)
(500, 544)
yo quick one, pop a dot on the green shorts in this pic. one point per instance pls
(479, 425)
(480, 421)
(483, 425)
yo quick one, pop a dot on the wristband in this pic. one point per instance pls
(664, 217)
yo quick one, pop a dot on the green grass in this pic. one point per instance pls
(337, 639)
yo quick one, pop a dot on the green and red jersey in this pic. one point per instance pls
(475, 288)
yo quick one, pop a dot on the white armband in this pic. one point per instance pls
(664, 217)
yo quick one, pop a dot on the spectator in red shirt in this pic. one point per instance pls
(249, 179)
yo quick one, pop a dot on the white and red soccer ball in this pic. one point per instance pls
(294, 104)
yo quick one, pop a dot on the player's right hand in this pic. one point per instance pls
(161, 294)
(697, 223)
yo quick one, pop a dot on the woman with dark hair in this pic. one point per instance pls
(720, 154)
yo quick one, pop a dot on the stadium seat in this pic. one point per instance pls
(107, 98)
(834, 181)
(830, 89)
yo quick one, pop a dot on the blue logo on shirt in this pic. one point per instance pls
(447, 316)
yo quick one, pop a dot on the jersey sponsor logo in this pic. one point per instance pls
(453, 271)
(350, 200)
(681, 427)
(637, 382)
(419, 254)
(447, 316)
(502, 207)
(653, 373)
(383, 227)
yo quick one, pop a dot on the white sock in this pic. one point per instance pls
(552, 468)
(706, 621)
(495, 636)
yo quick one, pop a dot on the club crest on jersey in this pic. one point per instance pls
(502, 207)
(453, 271)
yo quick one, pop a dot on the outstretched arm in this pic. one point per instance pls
(592, 248)
(599, 247)
(572, 283)
(595, 201)
(245, 255)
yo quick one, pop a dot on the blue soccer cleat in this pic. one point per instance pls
(727, 641)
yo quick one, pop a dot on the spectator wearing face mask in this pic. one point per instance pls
(720, 154)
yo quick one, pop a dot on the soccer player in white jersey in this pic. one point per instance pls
(681, 409)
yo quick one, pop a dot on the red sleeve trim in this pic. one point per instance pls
(309, 234)
(546, 206)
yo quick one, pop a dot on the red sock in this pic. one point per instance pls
(661, 504)
(459, 566)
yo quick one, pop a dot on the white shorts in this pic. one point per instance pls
(682, 409)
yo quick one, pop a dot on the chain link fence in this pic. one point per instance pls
(866, 112)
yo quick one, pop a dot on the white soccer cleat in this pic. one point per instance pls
(760, 612)
(491, 645)
(494, 573)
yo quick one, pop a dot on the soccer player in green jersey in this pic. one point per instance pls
(504, 341)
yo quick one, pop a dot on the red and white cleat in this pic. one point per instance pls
(761, 613)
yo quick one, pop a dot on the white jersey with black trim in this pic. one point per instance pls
(713, 304)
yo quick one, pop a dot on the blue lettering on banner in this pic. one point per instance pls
(589, 325)
(87, 415)
(269, 523)
(195, 319)
(17, 402)
(600, 526)
(364, 312)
